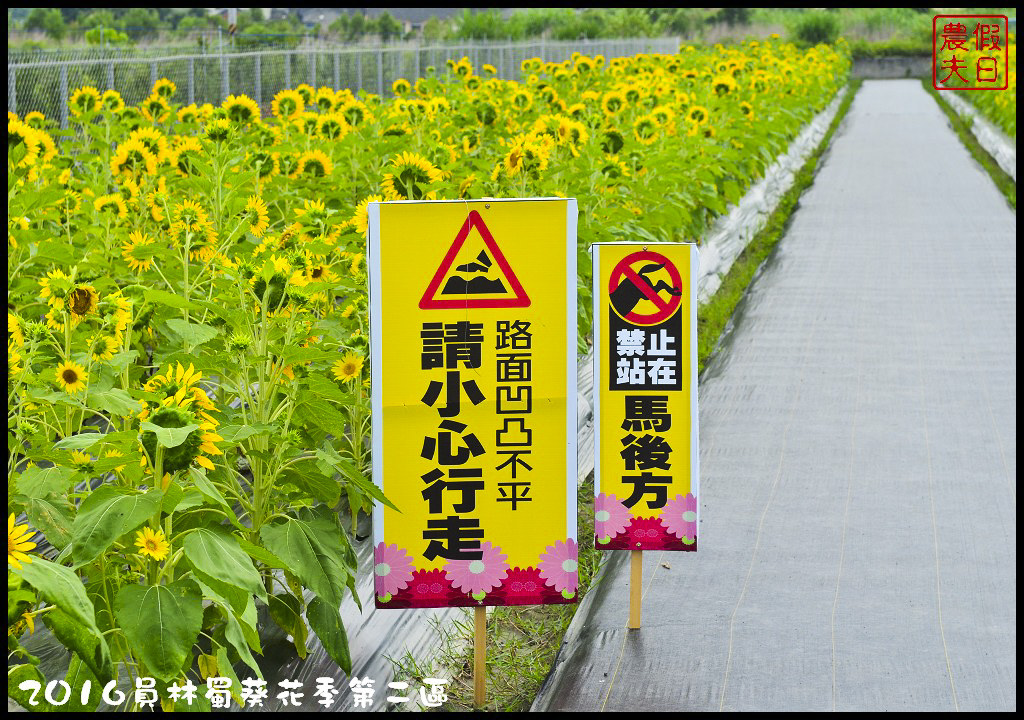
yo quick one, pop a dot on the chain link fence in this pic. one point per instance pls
(45, 85)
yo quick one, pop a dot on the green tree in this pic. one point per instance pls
(628, 22)
(388, 27)
(191, 23)
(49, 21)
(435, 30)
(537, 21)
(587, 24)
(99, 18)
(485, 25)
(140, 22)
(679, 21)
(349, 27)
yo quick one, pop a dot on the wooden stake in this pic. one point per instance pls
(636, 582)
(480, 657)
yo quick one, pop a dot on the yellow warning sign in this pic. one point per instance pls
(473, 327)
(645, 388)
(475, 279)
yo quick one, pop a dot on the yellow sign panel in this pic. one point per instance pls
(645, 396)
(473, 329)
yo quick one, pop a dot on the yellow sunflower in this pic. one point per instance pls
(132, 159)
(257, 215)
(411, 173)
(112, 101)
(152, 543)
(331, 126)
(325, 99)
(154, 140)
(313, 163)
(22, 139)
(360, 219)
(14, 331)
(164, 88)
(182, 157)
(81, 301)
(188, 114)
(646, 130)
(111, 203)
(306, 92)
(723, 84)
(155, 108)
(287, 104)
(54, 287)
(137, 251)
(103, 347)
(218, 130)
(85, 100)
(612, 102)
(34, 119)
(697, 114)
(349, 367)
(241, 109)
(19, 542)
(71, 377)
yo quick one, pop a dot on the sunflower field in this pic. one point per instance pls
(999, 107)
(188, 385)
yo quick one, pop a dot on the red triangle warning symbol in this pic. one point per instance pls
(473, 284)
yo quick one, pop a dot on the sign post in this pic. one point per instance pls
(479, 656)
(473, 367)
(645, 402)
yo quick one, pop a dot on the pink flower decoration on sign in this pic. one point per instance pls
(679, 516)
(610, 516)
(392, 569)
(558, 566)
(479, 576)
(429, 586)
(523, 587)
(646, 531)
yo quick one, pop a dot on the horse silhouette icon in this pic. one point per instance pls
(626, 296)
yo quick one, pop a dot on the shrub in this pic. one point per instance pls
(817, 27)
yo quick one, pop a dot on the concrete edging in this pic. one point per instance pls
(996, 143)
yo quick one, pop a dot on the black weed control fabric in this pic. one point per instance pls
(858, 460)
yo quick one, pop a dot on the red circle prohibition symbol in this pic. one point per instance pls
(624, 272)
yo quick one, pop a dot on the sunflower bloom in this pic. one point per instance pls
(152, 543)
(241, 109)
(85, 99)
(18, 543)
(349, 367)
(71, 377)
(287, 104)
(360, 220)
(257, 215)
(410, 174)
(114, 203)
(315, 163)
(82, 301)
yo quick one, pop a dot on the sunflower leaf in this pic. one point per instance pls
(217, 554)
(37, 482)
(161, 622)
(325, 621)
(191, 333)
(107, 514)
(81, 440)
(168, 437)
(312, 549)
